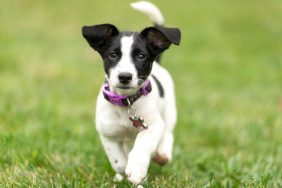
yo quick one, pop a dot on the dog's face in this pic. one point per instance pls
(128, 56)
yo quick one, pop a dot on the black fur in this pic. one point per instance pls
(143, 67)
(100, 36)
(159, 85)
(160, 38)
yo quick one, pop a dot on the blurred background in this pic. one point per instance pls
(228, 77)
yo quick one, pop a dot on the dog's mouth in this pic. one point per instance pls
(124, 87)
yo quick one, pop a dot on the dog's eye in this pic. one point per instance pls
(141, 56)
(113, 55)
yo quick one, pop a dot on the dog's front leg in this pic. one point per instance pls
(144, 147)
(116, 155)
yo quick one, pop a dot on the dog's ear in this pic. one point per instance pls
(160, 38)
(98, 35)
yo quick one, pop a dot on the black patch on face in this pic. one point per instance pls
(143, 56)
(111, 53)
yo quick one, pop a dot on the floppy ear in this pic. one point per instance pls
(98, 35)
(160, 38)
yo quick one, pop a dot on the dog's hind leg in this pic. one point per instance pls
(165, 148)
(164, 152)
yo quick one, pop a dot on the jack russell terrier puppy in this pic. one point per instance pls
(136, 110)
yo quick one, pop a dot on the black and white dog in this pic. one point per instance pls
(136, 110)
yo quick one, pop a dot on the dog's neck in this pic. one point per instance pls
(123, 92)
(126, 100)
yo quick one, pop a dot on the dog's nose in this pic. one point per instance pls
(125, 77)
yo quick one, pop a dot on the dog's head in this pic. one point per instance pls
(128, 56)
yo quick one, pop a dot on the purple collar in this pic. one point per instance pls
(122, 100)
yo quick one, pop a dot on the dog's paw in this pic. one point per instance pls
(118, 178)
(135, 174)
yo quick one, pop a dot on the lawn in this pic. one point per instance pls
(228, 75)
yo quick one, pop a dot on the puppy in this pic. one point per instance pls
(136, 110)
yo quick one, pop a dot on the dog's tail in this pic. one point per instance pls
(152, 11)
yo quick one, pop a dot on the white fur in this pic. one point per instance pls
(129, 149)
(125, 64)
(150, 10)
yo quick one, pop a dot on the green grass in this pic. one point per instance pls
(228, 74)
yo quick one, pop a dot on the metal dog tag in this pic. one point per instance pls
(137, 121)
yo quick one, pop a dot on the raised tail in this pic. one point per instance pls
(152, 11)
